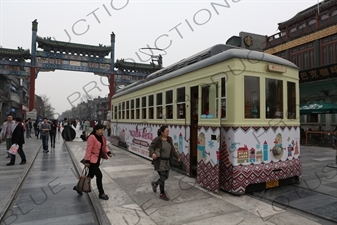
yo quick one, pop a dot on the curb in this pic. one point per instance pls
(99, 211)
(14, 192)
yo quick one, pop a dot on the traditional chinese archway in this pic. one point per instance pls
(58, 55)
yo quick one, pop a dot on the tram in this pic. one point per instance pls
(232, 113)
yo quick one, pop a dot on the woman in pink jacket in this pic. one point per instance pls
(96, 149)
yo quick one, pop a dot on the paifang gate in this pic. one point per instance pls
(58, 55)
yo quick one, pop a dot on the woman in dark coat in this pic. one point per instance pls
(18, 138)
(161, 150)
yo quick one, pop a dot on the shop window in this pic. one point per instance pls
(159, 105)
(209, 101)
(137, 108)
(151, 111)
(169, 104)
(181, 106)
(144, 107)
(132, 109)
(274, 98)
(291, 111)
(312, 118)
(252, 97)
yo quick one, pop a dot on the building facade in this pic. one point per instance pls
(309, 40)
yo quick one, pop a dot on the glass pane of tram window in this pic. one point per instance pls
(159, 105)
(116, 112)
(274, 98)
(144, 107)
(151, 111)
(119, 111)
(169, 105)
(291, 111)
(209, 101)
(123, 110)
(127, 110)
(252, 97)
(137, 108)
(181, 109)
(132, 109)
(223, 97)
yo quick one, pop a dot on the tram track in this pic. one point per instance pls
(95, 205)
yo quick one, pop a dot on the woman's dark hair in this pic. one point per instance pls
(18, 119)
(161, 129)
(97, 127)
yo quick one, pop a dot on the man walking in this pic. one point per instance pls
(66, 127)
(7, 131)
(19, 139)
(45, 129)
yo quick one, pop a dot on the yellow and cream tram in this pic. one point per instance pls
(232, 113)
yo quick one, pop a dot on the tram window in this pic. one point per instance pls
(209, 101)
(159, 105)
(119, 111)
(144, 107)
(123, 110)
(274, 98)
(169, 105)
(223, 98)
(181, 107)
(252, 97)
(151, 112)
(137, 108)
(127, 110)
(115, 112)
(291, 100)
(132, 109)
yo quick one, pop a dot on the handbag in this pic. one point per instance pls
(14, 149)
(84, 182)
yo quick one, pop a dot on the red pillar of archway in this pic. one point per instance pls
(32, 89)
(111, 89)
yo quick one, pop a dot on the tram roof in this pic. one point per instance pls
(216, 54)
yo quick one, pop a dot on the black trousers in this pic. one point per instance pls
(52, 138)
(94, 170)
(21, 154)
(163, 175)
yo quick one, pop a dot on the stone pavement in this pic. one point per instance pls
(46, 195)
(11, 177)
(126, 180)
(317, 192)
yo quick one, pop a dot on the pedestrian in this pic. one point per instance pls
(36, 129)
(83, 136)
(53, 126)
(108, 127)
(18, 137)
(45, 130)
(86, 127)
(29, 128)
(7, 131)
(96, 149)
(66, 128)
(161, 151)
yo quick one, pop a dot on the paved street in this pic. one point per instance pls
(46, 195)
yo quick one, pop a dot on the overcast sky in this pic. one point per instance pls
(190, 25)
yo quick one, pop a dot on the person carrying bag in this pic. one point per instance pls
(84, 182)
(96, 150)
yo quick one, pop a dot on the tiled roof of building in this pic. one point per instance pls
(15, 53)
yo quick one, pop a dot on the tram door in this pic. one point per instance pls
(194, 130)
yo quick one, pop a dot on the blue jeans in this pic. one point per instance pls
(44, 142)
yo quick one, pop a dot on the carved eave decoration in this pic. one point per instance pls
(307, 13)
(47, 44)
(14, 54)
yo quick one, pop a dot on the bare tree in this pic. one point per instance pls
(44, 107)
